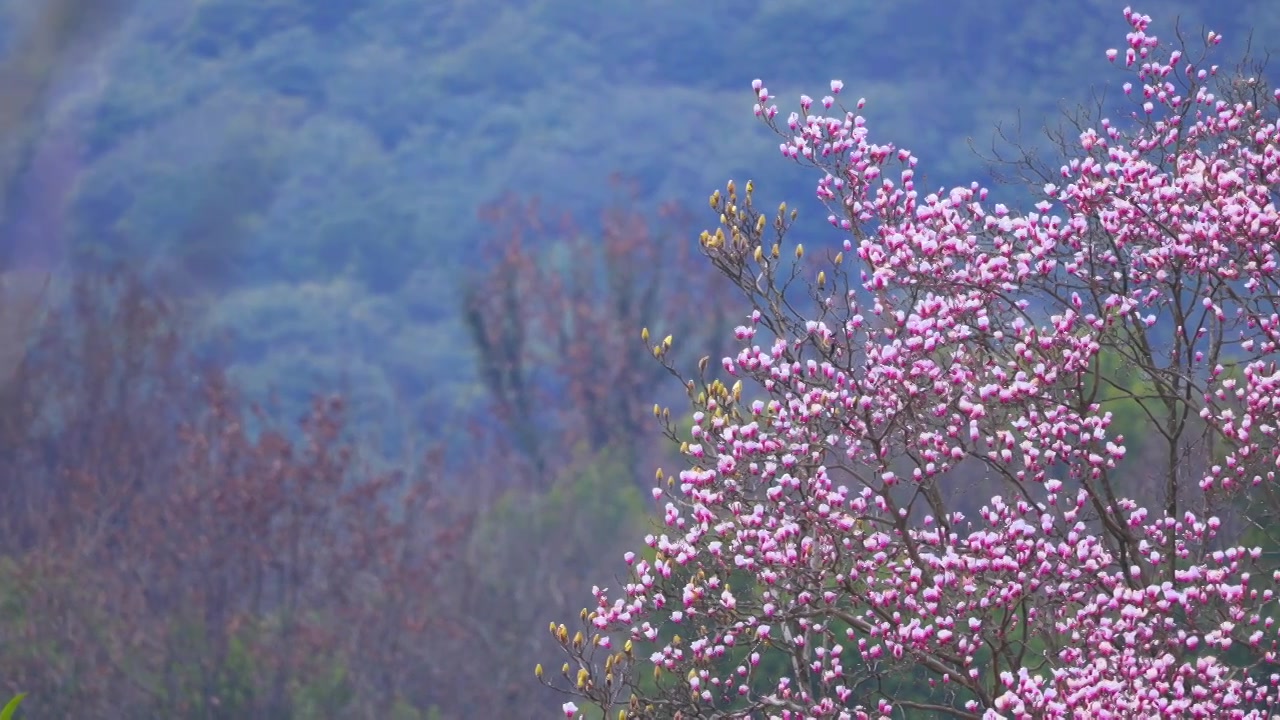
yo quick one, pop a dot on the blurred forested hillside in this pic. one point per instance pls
(309, 172)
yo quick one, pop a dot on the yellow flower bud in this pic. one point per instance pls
(822, 279)
(750, 187)
(565, 670)
(760, 223)
(799, 251)
(782, 209)
(839, 258)
(758, 255)
(537, 671)
(582, 677)
(644, 334)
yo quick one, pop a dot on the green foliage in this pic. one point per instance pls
(22, 608)
(1131, 399)
(593, 500)
(205, 682)
(11, 707)
(330, 693)
(12, 607)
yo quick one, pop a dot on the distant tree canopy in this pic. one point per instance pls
(247, 144)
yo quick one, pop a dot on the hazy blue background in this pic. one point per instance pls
(312, 169)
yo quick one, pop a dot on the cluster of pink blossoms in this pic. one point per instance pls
(810, 555)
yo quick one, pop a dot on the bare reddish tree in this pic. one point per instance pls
(165, 560)
(557, 311)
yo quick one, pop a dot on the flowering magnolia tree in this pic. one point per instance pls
(816, 560)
